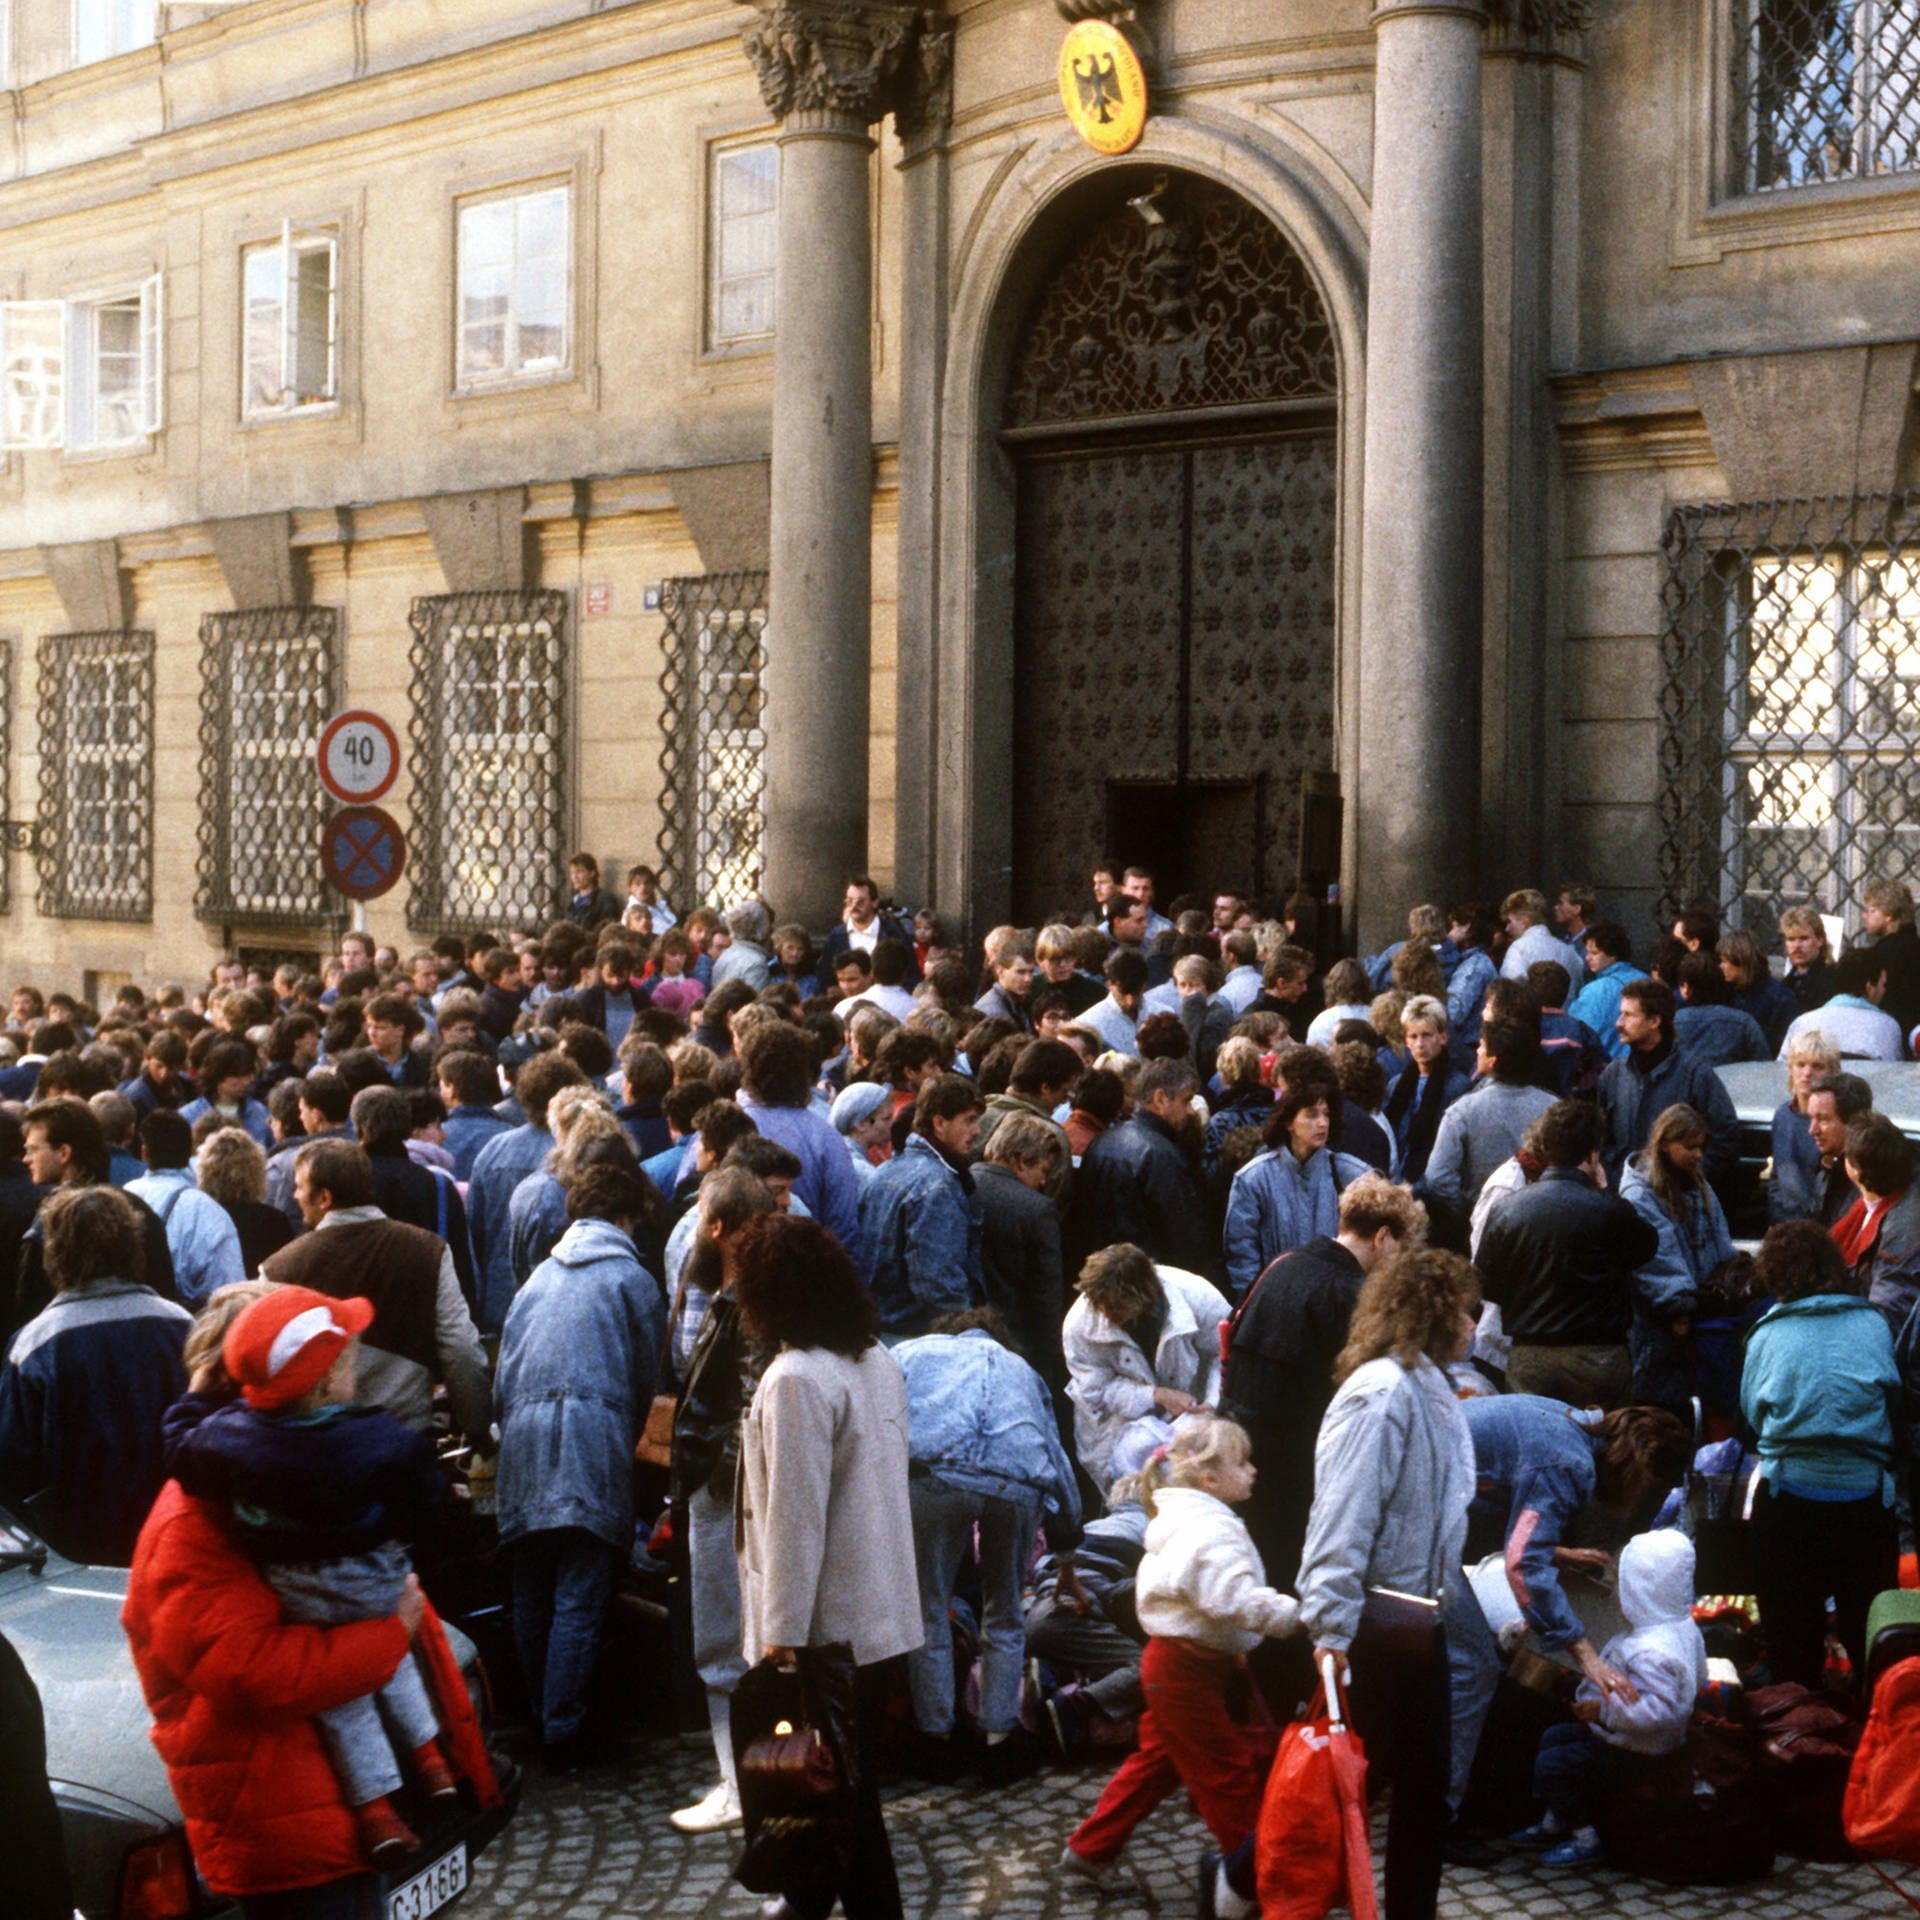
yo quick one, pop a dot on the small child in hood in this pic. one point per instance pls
(1664, 1660)
(319, 1492)
(1202, 1595)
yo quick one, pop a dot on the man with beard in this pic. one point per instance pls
(1140, 1182)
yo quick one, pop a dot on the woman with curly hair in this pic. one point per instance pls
(824, 1524)
(231, 1169)
(1393, 1477)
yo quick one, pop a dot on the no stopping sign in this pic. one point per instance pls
(359, 756)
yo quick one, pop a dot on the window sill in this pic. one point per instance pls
(291, 416)
(1804, 215)
(575, 391)
(145, 447)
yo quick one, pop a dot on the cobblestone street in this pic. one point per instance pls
(600, 1845)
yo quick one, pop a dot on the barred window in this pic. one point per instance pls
(489, 746)
(712, 843)
(268, 681)
(96, 776)
(6, 744)
(1791, 752)
(1825, 90)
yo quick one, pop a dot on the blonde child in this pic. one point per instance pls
(1202, 1595)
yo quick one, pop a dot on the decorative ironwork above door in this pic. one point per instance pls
(1181, 297)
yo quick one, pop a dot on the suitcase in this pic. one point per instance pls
(1893, 1632)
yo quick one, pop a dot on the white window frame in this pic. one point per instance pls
(718, 337)
(516, 368)
(293, 247)
(126, 24)
(50, 356)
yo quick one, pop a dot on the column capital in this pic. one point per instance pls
(1387, 11)
(1543, 25)
(834, 61)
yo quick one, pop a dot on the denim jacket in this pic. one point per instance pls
(921, 1228)
(1276, 1205)
(578, 1361)
(981, 1420)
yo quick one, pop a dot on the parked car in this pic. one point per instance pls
(125, 1843)
(1757, 1088)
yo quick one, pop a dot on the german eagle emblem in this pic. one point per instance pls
(1098, 82)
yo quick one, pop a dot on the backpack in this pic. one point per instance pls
(1661, 1822)
(1882, 1808)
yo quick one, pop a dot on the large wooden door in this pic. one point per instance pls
(1175, 618)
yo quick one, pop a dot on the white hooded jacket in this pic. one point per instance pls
(1663, 1654)
(1201, 1578)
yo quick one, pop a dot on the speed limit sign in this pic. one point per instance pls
(359, 756)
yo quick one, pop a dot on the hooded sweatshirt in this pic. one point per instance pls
(1662, 1654)
(1201, 1578)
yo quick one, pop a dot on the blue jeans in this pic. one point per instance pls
(1474, 1667)
(562, 1583)
(943, 1522)
(715, 1570)
(1574, 1764)
(365, 1586)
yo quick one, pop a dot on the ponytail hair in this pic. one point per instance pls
(1202, 1441)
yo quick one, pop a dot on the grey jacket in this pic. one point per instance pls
(821, 1521)
(1477, 1132)
(1393, 1475)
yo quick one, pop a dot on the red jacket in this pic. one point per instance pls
(232, 1688)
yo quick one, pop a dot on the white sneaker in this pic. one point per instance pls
(715, 1814)
(1089, 1873)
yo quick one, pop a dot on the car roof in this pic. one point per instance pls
(1757, 1088)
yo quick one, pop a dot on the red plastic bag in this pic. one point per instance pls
(1883, 1788)
(1310, 1849)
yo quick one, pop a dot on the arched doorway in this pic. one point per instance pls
(1171, 412)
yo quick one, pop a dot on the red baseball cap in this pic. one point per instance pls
(285, 1344)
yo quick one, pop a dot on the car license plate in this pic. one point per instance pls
(430, 1890)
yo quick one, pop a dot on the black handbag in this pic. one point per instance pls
(797, 1752)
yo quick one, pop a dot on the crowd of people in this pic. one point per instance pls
(1184, 1309)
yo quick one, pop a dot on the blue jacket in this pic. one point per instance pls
(1793, 1193)
(201, 1236)
(1820, 1391)
(826, 1181)
(252, 1116)
(1632, 1100)
(980, 1419)
(1277, 1205)
(1722, 1036)
(1692, 1244)
(1597, 1005)
(1534, 1471)
(921, 1228)
(1772, 1004)
(1467, 988)
(578, 1362)
(536, 1218)
(498, 1168)
(83, 1393)
(666, 1169)
(466, 1130)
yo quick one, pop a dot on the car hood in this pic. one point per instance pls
(65, 1624)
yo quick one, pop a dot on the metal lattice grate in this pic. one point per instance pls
(269, 678)
(6, 773)
(1824, 90)
(489, 756)
(713, 763)
(1790, 705)
(96, 776)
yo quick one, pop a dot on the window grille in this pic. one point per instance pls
(713, 763)
(489, 754)
(1790, 705)
(1824, 90)
(96, 776)
(6, 746)
(269, 679)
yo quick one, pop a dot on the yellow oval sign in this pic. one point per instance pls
(1104, 87)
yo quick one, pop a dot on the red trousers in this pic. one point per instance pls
(1187, 1738)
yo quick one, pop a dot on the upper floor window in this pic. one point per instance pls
(102, 28)
(81, 373)
(290, 292)
(515, 286)
(743, 198)
(1825, 90)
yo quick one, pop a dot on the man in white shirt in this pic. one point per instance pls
(1525, 914)
(1852, 1019)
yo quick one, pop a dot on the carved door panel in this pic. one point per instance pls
(1174, 662)
(1097, 664)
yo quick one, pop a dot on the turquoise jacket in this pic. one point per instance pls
(1819, 1391)
(1598, 1004)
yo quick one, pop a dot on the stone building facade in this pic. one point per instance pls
(1492, 413)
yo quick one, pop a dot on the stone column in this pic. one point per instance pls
(926, 105)
(1417, 808)
(826, 70)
